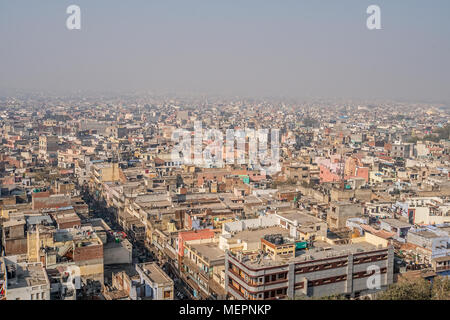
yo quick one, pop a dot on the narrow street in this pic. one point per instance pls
(141, 253)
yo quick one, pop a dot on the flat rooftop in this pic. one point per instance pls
(84, 234)
(13, 223)
(209, 251)
(301, 217)
(28, 275)
(397, 223)
(253, 235)
(321, 250)
(427, 234)
(154, 273)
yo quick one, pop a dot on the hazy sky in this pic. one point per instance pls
(294, 48)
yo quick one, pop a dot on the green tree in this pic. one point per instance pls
(440, 288)
(409, 290)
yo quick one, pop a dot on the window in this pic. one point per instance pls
(282, 275)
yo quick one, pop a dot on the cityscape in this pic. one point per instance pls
(178, 194)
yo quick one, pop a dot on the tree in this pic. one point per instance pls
(440, 288)
(409, 290)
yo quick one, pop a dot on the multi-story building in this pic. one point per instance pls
(80, 247)
(431, 242)
(48, 148)
(425, 210)
(158, 285)
(322, 270)
(204, 268)
(401, 150)
(22, 280)
(339, 212)
(103, 172)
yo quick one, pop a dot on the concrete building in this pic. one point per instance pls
(339, 212)
(106, 172)
(158, 285)
(24, 281)
(80, 247)
(14, 240)
(302, 226)
(424, 210)
(320, 271)
(204, 268)
(398, 227)
(116, 247)
(430, 242)
(48, 148)
(401, 150)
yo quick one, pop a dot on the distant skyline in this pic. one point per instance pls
(255, 48)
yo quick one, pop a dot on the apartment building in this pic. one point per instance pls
(204, 268)
(48, 148)
(158, 285)
(339, 212)
(425, 210)
(321, 270)
(22, 280)
(431, 242)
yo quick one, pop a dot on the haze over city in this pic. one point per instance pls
(210, 153)
(303, 49)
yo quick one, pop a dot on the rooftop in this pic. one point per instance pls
(321, 250)
(210, 251)
(28, 275)
(256, 235)
(154, 273)
(301, 217)
(396, 223)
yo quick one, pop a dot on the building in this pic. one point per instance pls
(204, 268)
(430, 242)
(425, 210)
(24, 281)
(48, 148)
(42, 199)
(80, 247)
(339, 212)
(14, 240)
(322, 270)
(398, 227)
(401, 150)
(158, 285)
